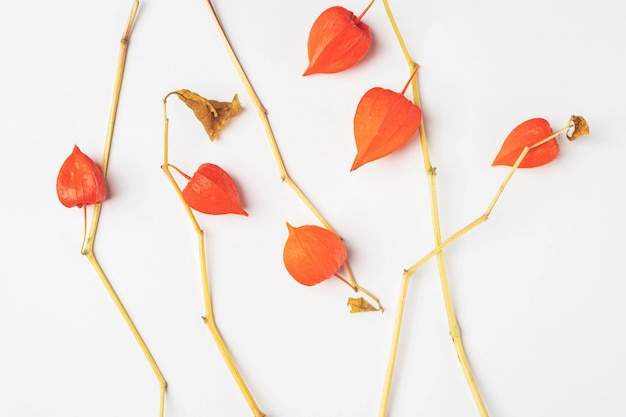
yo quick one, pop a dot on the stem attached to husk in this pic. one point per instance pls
(209, 316)
(452, 321)
(88, 243)
(284, 176)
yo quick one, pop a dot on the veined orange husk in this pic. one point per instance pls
(526, 134)
(337, 41)
(313, 254)
(80, 181)
(212, 191)
(384, 122)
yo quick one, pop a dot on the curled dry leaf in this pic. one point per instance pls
(384, 122)
(80, 181)
(580, 128)
(313, 254)
(337, 41)
(212, 191)
(360, 305)
(211, 113)
(526, 134)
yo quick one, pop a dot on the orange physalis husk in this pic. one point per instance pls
(80, 181)
(384, 122)
(313, 254)
(212, 191)
(526, 134)
(337, 41)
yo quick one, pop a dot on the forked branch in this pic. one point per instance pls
(453, 326)
(88, 243)
(454, 330)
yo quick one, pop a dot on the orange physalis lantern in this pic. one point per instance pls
(212, 191)
(338, 40)
(80, 181)
(526, 134)
(313, 254)
(384, 121)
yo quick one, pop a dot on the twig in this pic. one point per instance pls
(209, 317)
(455, 332)
(410, 272)
(485, 216)
(284, 176)
(88, 243)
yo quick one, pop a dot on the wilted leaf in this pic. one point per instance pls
(313, 254)
(80, 181)
(581, 128)
(384, 122)
(212, 191)
(526, 134)
(360, 305)
(211, 113)
(337, 41)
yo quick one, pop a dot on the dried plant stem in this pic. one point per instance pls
(485, 216)
(262, 111)
(209, 317)
(408, 273)
(88, 243)
(455, 332)
(453, 326)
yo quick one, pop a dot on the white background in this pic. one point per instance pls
(538, 288)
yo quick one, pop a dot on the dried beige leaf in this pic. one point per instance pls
(360, 305)
(581, 127)
(212, 114)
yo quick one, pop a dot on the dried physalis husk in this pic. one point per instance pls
(360, 305)
(212, 191)
(384, 122)
(313, 254)
(80, 181)
(580, 128)
(526, 134)
(212, 114)
(337, 41)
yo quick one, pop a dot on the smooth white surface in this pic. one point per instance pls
(538, 288)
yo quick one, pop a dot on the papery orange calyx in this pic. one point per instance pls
(212, 191)
(337, 41)
(80, 181)
(528, 133)
(313, 254)
(384, 121)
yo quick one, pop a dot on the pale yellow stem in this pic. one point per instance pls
(209, 317)
(395, 339)
(443, 274)
(284, 176)
(408, 274)
(91, 257)
(483, 217)
(88, 243)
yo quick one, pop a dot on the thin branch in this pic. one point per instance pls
(209, 317)
(485, 216)
(455, 332)
(88, 244)
(262, 111)
(410, 272)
